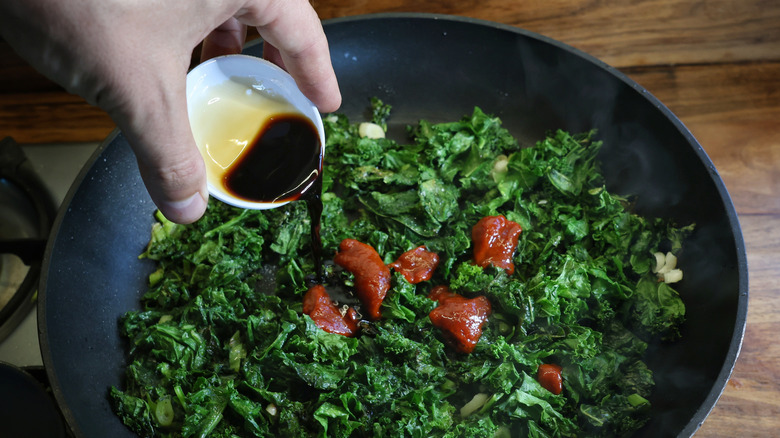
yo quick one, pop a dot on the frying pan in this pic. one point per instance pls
(437, 68)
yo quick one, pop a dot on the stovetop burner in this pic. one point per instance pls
(27, 210)
(26, 215)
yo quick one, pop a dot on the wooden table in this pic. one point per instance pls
(714, 63)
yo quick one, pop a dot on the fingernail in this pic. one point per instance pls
(187, 210)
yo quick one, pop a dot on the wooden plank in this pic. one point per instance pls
(51, 117)
(620, 32)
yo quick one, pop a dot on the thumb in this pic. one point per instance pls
(169, 162)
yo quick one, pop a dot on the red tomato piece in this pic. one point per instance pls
(550, 377)
(416, 265)
(318, 305)
(495, 240)
(461, 319)
(372, 276)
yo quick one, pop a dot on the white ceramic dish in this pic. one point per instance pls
(229, 98)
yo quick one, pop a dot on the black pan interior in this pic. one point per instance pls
(437, 68)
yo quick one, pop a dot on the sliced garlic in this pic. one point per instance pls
(666, 267)
(673, 276)
(664, 262)
(371, 130)
(660, 260)
(669, 263)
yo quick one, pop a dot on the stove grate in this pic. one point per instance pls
(27, 212)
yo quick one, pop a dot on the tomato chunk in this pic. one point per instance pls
(495, 240)
(461, 319)
(416, 265)
(318, 305)
(549, 376)
(372, 276)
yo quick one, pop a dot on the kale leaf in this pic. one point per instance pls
(221, 347)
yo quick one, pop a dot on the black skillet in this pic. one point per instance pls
(437, 68)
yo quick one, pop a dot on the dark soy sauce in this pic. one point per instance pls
(313, 198)
(280, 164)
(283, 163)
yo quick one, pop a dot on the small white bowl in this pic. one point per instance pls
(228, 99)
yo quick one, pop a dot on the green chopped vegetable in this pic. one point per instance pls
(221, 347)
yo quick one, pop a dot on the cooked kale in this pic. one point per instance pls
(221, 347)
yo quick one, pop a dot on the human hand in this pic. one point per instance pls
(131, 59)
